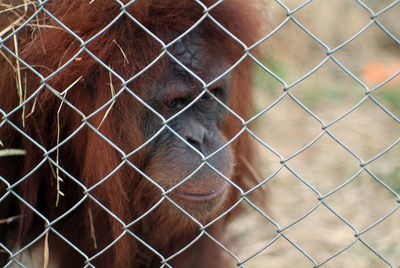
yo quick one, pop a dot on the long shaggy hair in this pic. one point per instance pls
(73, 56)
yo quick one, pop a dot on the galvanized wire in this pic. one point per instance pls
(321, 199)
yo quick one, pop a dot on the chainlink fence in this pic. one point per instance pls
(325, 123)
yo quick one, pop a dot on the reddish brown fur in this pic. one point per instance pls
(86, 156)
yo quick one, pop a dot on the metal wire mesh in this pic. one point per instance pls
(266, 225)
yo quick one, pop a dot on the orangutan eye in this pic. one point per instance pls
(217, 91)
(175, 103)
(171, 103)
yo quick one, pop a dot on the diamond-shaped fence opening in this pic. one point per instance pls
(205, 133)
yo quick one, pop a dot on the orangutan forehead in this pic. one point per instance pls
(188, 51)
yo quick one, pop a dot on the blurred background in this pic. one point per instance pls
(326, 117)
(320, 195)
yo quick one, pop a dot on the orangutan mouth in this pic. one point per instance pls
(189, 196)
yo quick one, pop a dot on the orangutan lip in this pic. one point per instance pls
(201, 197)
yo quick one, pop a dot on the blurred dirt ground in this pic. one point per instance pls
(367, 131)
